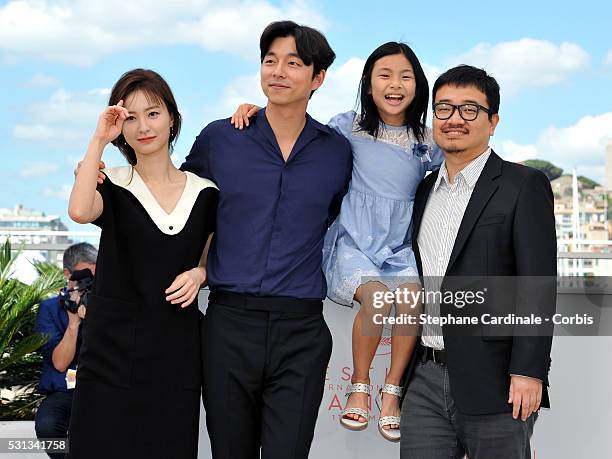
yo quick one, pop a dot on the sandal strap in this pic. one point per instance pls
(388, 420)
(392, 389)
(358, 387)
(360, 411)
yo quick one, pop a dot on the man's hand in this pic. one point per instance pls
(525, 395)
(186, 286)
(101, 166)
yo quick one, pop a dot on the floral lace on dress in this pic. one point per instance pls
(401, 138)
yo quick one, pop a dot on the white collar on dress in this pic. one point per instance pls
(172, 223)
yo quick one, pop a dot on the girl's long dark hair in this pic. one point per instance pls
(416, 113)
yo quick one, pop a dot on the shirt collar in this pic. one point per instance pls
(442, 175)
(469, 173)
(311, 123)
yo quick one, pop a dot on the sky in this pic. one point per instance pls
(59, 59)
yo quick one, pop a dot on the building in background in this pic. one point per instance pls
(31, 228)
(608, 182)
(581, 214)
(20, 219)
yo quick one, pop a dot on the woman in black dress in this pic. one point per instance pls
(138, 379)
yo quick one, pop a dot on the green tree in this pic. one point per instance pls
(550, 170)
(587, 182)
(19, 362)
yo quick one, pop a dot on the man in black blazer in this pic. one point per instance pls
(483, 217)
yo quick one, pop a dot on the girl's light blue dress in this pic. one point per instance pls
(372, 235)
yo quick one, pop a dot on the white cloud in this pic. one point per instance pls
(100, 92)
(38, 169)
(583, 142)
(516, 152)
(240, 90)
(339, 91)
(608, 60)
(581, 145)
(527, 62)
(236, 28)
(62, 192)
(432, 73)
(72, 160)
(41, 80)
(24, 269)
(39, 132)
(63, 116)
(79, 32)
(66, 107)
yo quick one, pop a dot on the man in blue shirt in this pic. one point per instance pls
(61, 350)
(265, 343)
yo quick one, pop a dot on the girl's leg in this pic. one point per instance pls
(403, 340)
(366, 337)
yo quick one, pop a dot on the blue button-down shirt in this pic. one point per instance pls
(272, 215)
(52, 320)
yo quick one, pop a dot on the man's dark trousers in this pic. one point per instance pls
(433, 427)
(53, 417)
(265, 361)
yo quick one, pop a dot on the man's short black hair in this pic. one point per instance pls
(312, 46)
(466, 75)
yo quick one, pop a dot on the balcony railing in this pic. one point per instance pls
(573, 256)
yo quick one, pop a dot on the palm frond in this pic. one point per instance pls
(25, 346)
(19, 360)
(6, 261)
(5, 254)
(23, 407)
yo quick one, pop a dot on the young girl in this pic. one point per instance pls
(367, 250)
(138, 380)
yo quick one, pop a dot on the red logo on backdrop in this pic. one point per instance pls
(338, 379)
(384, 347)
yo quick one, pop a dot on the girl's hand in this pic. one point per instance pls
(240, 118)
(110, 122)
(186, 286)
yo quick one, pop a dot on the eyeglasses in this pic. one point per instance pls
(469, 112)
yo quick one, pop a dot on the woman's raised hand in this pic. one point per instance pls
(240, 118)
(110, 122)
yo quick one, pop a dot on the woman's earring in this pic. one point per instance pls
(171, 131)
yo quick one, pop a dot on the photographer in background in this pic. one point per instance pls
(59, 319)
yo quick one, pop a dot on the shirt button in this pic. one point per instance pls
(171, 227)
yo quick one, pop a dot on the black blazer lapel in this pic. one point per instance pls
(420, 201)
(421, 198)
(483, 190)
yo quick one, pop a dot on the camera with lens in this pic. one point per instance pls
(83, 282)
